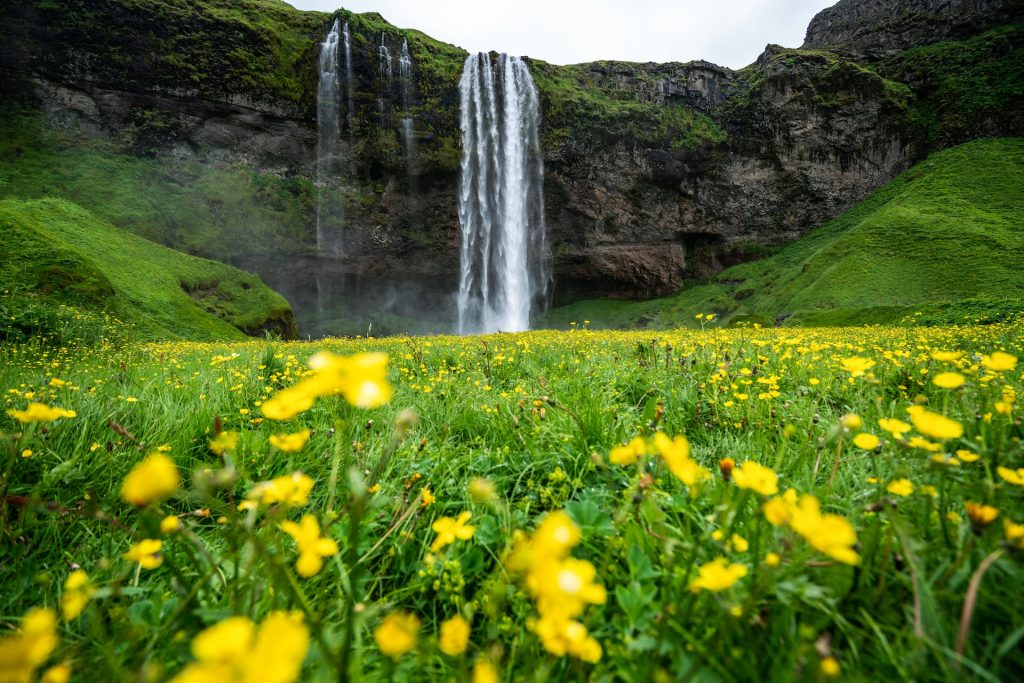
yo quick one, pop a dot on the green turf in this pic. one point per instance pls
(61, 266)
(948, 234)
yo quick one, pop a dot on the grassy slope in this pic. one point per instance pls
(205, 209)
(948, 230)
(55, 253)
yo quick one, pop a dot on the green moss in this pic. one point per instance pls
(224, 212)
(575, 107)
(57, 256)
(965, 88)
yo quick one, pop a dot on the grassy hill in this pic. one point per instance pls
(944, 240)
(67, 273)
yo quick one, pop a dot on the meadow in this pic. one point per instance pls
(712, 505)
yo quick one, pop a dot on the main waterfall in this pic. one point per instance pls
(504, 270)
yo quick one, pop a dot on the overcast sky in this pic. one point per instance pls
(728, 32)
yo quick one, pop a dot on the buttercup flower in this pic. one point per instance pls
(290, 443)
(312, 547)
(449, 529)
(717, 575)
(77, 592)
(146, 553)
(757, 478)
(152, 480)
(40, 412)
(454, 636)
(397, 634)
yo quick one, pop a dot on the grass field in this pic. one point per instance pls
(712, 505)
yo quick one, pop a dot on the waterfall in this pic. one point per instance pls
(328, 138)
(347, 39)
(385, 85)
(406, 128)
(504, 269)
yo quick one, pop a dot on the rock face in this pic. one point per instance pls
(656, 174)
(879, 28)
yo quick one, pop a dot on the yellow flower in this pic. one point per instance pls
(948, 380)
(895, 427)
(829, 534)
(225, 442)
(556, 535)
(288, 403)
(27, 453)
(39, 412)
(361, 379)
(630, 453)
(1014, 533)
(967, 456)
(170, 524)
(981, 515)
(58, 673)
(779, 510)
(936, 426)
(999, 361)
(739, 544)
(312, 548)
(857, 366)
(676, 454)
(946, 356)
(290, 443)
(900, 487)
(772, 559)
(924, 444)
(291, 491)
(1015, 477)
(426, 497)
(235, 650)
(484, 672)
(77, 592)
(146, 553)
(396, 634)
(449, 529)
(851, 421)
(868, 442)
(564, 587)
(717, 575)
(454, 636)
(24, 651)
(830, 667)
(757, 478)
(152, 480)
(561, 636)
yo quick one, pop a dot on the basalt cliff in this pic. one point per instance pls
(193, 123)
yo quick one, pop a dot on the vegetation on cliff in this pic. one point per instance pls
(944, 239)
(66, 274)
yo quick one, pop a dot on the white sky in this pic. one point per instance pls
(727, 32)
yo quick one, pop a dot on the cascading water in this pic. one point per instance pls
(328, 151)
(347, 40)
(406, 127)
(385, 85)
(504, 270)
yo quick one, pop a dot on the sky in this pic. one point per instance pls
(730, 33)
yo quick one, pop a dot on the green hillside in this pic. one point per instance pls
(945, 239)
(67, 273)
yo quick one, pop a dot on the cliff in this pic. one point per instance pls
(203, 113)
